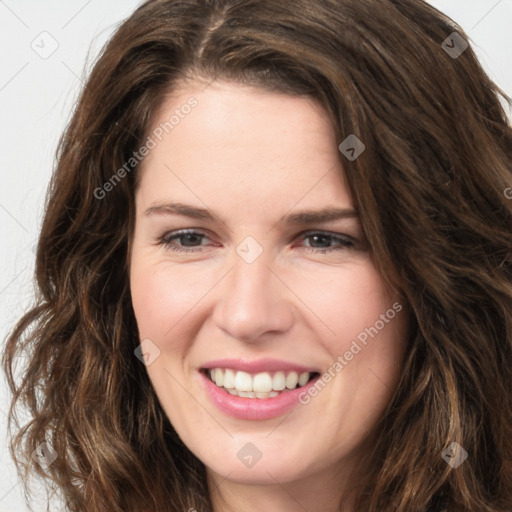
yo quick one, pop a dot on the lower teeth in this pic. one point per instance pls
(252, 394)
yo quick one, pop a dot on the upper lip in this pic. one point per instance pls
(259, 365)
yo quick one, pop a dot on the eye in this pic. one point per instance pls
(190, 240)
(321, 242)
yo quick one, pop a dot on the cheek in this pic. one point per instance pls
(162, 297)
(346, 301)
(156, 300)
(363, 328)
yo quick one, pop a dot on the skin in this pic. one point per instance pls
(252, 156)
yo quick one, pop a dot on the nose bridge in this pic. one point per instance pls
(250, 277)
(252, 301)
(250, 285)
(251, 272)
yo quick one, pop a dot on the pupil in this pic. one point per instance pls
(187, 237)
(316, 237)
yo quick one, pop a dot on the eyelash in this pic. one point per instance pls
(344, 243)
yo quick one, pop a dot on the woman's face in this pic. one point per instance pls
(260, 292)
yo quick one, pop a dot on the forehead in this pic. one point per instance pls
(242, 145)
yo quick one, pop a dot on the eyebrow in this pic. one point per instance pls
(301, 217)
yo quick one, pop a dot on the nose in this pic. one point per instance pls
(253, 301)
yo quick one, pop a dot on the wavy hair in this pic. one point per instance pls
(431, 188)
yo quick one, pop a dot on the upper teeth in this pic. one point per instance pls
(260, 382)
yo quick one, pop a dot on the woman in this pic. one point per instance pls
(274, 268)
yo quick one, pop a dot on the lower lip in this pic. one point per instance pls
(254, 408)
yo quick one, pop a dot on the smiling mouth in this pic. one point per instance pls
(258, 385)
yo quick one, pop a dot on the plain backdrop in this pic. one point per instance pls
(46, 50)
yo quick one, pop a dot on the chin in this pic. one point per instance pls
(262, 473)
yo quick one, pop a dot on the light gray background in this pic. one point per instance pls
(37, 93)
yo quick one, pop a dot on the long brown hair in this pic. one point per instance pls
(431, 190)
